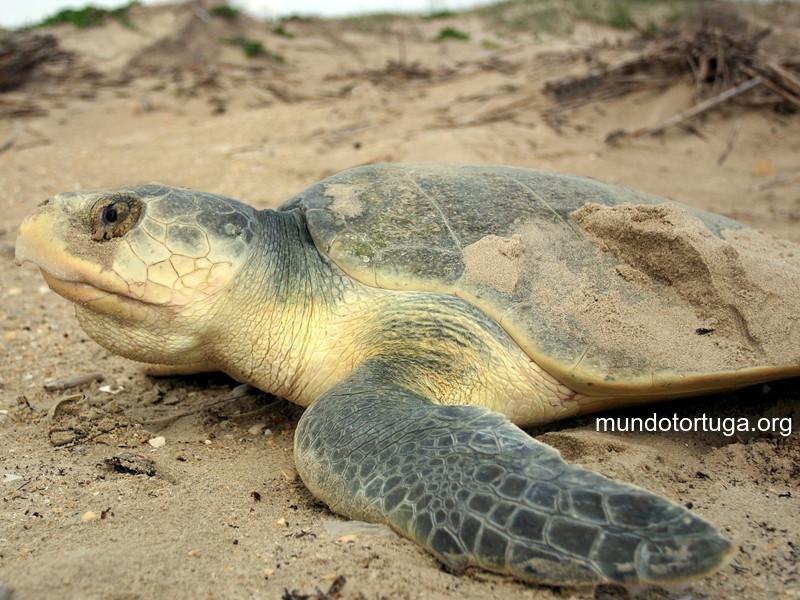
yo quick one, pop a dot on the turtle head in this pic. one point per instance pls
(147, 267)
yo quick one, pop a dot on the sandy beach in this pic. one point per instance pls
(164, 98)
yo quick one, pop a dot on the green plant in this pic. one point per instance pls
(680, 11)
(558, 17)
(225, 11)
(650, 31)
(253, 48)
(451, 33)
(297, 18)
(541, 16)
(619, 16)
(88, 16)
(380, 22)
(439, 14)
(281, 30)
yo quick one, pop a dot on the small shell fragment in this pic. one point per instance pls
(111, 389)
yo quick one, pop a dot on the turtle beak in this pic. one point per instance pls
(41, 239)
(36, 234)
(44, 236)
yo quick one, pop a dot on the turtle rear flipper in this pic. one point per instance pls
(475, 490)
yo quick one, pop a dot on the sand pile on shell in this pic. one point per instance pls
(742, 289)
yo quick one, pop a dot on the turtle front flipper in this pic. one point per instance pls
(475, 490)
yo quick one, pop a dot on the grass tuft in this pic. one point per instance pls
(88, 16)
(619, 16)
(225, 11)
(451, 33)
(298, 18)
(281, 30)
(558, 17)
(439, 14)
(379, 22)
(253, 48)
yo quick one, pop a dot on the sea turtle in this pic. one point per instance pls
(422, 313)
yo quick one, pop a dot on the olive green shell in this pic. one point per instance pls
(597, 324)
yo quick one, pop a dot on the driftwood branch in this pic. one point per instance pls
(52, 385)
(730, 142)
(686, 115)
(21, 53)
(789, 79)
(776, 87)
(719, 52)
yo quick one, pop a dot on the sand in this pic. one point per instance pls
(741, 289)
(494, 261)
(225, 515)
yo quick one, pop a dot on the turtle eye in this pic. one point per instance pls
(114, 217)
(110, 214)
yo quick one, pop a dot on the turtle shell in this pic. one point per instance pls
(612, 291)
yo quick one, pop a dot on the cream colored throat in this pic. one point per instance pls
(436, 344)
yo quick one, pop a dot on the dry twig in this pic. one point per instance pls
(694, 111)
(721, 55)
(53, 385)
